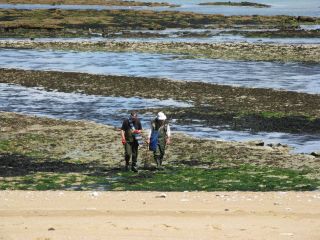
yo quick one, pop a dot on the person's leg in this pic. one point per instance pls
(162, 150)
(135, 148)
(127, 154)
(156, 156)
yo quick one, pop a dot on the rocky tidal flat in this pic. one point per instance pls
(91, 2)
(42, 154)
(237, 51)
(237, 4)
(79, 23)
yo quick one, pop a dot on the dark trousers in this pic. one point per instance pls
(159, 153)
(131, 151)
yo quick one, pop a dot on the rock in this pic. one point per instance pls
(315, 154)
(281, 145)
(256, 143)
(94, 194)
(277, 145)
(162, 195)
(51, 229)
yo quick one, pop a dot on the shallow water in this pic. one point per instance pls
(301, 143)
(218, 36)
(174, 35)
(278, 7)
(111, 110)
(107, 110)
(288, 76)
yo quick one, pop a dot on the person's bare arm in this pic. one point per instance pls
(123, 138)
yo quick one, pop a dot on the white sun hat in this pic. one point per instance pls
(161, 116)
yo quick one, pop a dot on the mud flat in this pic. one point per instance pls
(123, 215)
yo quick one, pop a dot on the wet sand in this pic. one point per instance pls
(155, 215)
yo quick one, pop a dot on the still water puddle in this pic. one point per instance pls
(285, 76)
(111, 111)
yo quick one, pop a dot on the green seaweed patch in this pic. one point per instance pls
(24, 144)
(54, 181)
(5, 145)
(243, 178)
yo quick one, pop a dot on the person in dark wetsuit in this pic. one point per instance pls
(131, 127)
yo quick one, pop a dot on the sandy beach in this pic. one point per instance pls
(159, 215)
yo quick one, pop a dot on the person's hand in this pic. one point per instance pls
(168, 141)
(148, 141)
(136, 131)
(123, 140)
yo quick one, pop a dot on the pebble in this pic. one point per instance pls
(94, 194)
(162, 195)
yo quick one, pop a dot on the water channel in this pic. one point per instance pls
(111, 110)
(286, 76)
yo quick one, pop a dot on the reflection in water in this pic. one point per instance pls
(288, 76)
(110, 110)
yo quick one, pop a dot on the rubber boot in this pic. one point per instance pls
(126, 167)
(134, 168)
(158, 162)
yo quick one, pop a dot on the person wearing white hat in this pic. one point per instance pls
(159, 137)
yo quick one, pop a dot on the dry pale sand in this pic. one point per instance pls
(154, 215)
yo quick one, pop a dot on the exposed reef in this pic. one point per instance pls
(90, 2)
(238, 51)
(237, 4)
(77, 23)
